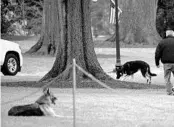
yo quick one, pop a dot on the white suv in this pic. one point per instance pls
(11, 59)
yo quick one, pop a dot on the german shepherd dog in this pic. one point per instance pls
(131, 67)
(41, 107)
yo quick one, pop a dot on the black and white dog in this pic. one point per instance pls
(131, 67)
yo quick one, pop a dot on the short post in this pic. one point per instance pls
(74, 92)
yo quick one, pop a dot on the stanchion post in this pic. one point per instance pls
(74, 92)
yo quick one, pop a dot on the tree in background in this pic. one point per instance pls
(32, 13)
(137, 22)
(165, 16)
(50, 31)
(140, 19)
(75, 42)
(6, 16)
(21, 15)
(100, 18)
(46, 44)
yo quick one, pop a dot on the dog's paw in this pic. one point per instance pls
(148, 81)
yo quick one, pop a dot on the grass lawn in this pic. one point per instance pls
(132, 104)
(35, 67)
(95, 108)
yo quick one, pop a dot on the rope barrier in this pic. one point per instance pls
(32, 93)
(93, 78)
(19, 99)
(106, 86)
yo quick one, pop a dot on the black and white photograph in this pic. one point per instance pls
(87, 63)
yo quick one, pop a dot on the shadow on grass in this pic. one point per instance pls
(85, 84)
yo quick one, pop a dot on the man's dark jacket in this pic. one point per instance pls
(165, 51)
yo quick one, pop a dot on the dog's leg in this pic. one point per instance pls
(129, 77)
(52, 113)
(149, 80)
(124, 77)
(132, 77)
(148, 77)
(48, 111)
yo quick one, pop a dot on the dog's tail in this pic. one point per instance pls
(151, 74)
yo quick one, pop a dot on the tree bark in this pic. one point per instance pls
(164, 20)
(76, 42)
(138, 22)
(46, 44)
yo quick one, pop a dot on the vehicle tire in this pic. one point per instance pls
(11, 65)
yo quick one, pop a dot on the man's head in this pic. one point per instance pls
(169, 33)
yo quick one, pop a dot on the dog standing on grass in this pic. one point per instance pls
(131, 67)
(42, 107)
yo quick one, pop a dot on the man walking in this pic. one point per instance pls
(165, 53)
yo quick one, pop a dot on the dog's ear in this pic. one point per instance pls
(46, 91)
(118, 69)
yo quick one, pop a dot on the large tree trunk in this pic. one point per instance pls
(50, 28)
(165, 18)
(138, 22)
(76, 42)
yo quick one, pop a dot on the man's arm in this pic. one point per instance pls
(158, 54)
